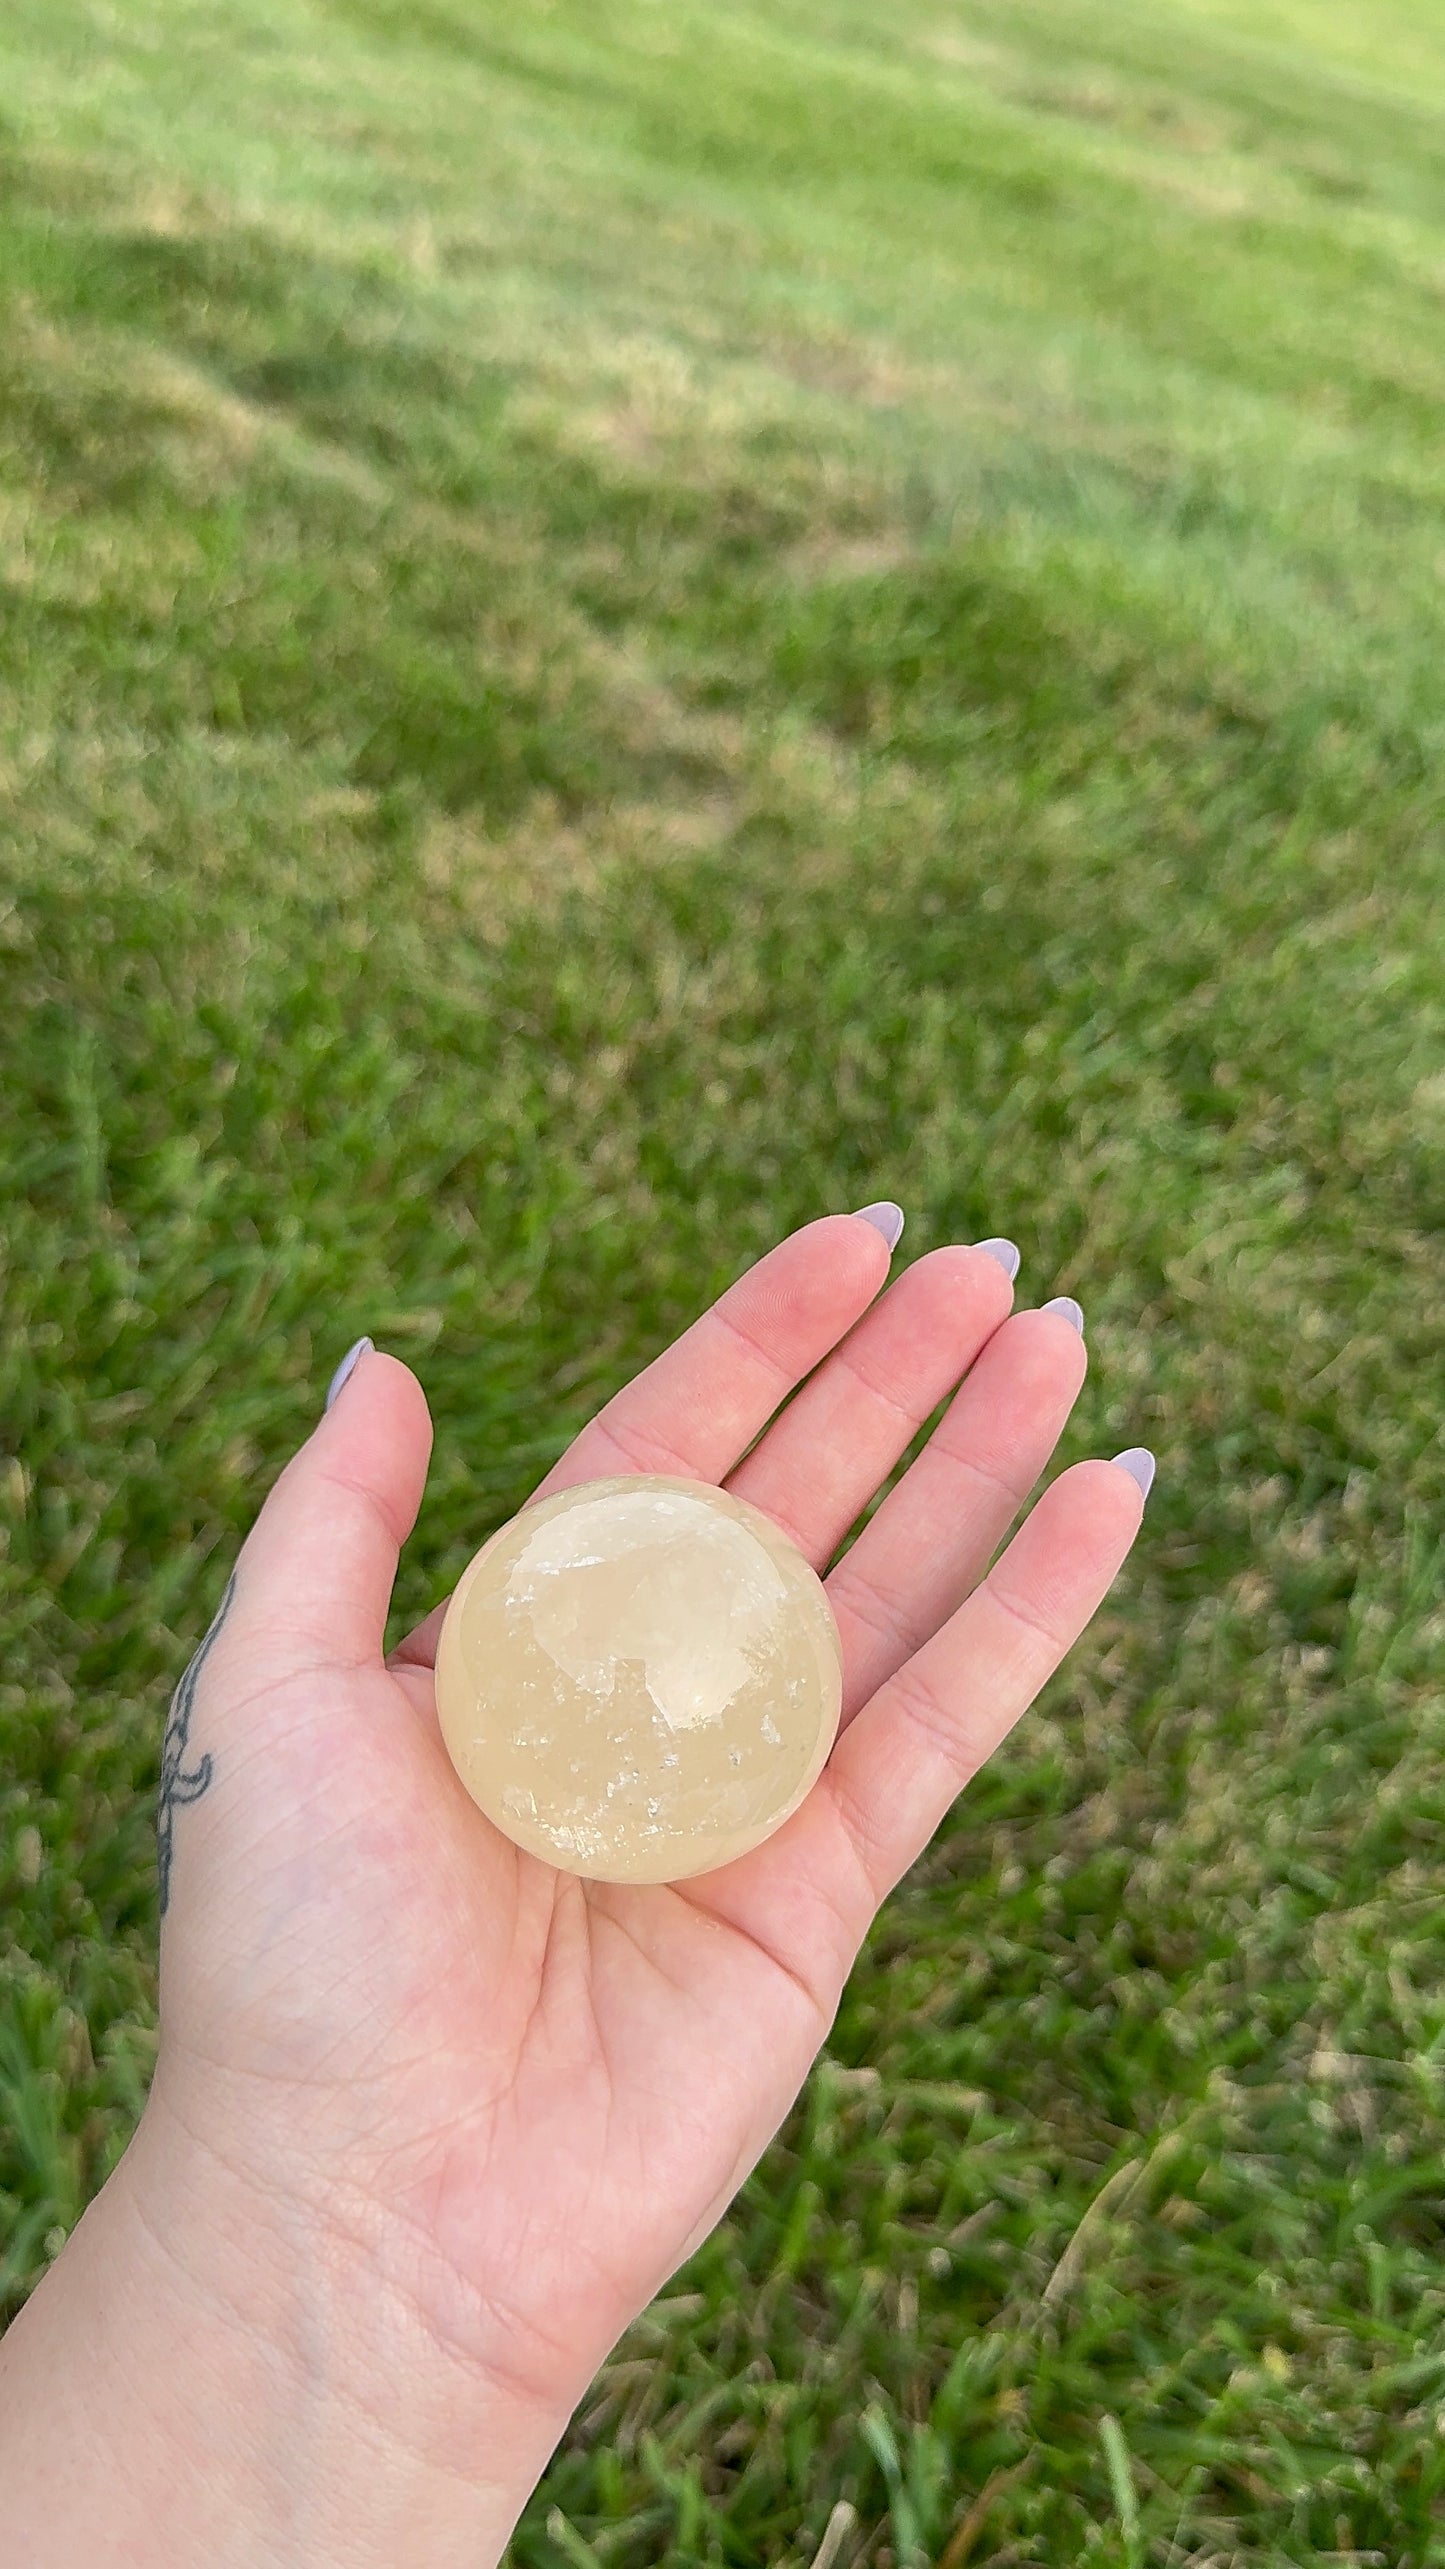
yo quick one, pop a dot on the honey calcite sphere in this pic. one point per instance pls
(639, 1679)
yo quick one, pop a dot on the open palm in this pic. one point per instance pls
(520, 2097)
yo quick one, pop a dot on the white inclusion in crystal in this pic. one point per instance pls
(519, 1804)
(771, 1732)
(640, 1601)
(581, 1840)
(730, 1808)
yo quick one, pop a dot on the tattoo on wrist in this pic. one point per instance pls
(177, 1785)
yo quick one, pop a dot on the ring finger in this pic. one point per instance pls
(931, 1541)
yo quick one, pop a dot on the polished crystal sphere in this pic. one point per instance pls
(639, 1679)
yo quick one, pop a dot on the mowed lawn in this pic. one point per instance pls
(623, 624)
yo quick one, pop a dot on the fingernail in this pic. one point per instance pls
(1067, 1309)
(887, 1218)
(1138, 1462)
(1004, 1251)
(346, 1368)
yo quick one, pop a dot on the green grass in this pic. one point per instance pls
(621, 625)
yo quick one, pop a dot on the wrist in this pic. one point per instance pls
(207, 2373)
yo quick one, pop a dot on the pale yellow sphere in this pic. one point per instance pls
(639, 1679)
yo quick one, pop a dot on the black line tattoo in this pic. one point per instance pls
(177, 1787)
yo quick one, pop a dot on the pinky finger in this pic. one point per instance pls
(908, 1755)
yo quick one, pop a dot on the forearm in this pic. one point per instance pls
(186, 2388)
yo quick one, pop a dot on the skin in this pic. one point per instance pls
(431, 2123)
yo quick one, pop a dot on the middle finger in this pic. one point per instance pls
(934, 1536)
(824, 1456)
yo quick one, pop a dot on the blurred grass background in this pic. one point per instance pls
(625, 624)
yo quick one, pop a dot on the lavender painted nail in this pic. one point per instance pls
(1067, 1309)
(887, 1218)
(1138, 1462)
(347, 1368)
(1004, 1252)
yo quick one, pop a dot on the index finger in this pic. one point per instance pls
(695, 1410)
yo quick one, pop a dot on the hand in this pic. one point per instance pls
(489, 2108)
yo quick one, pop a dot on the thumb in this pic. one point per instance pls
(316, 1572)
